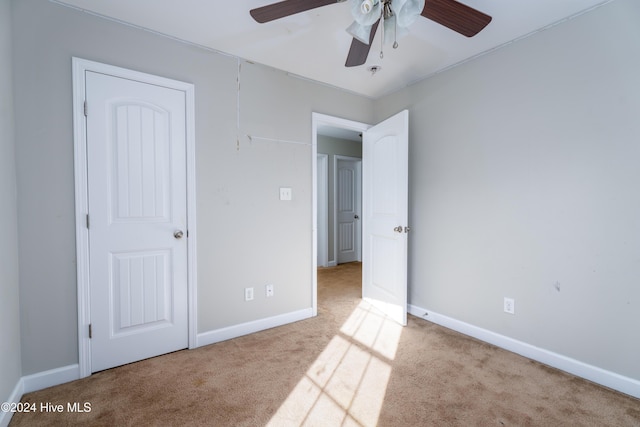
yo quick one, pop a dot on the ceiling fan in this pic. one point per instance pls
(398, 13)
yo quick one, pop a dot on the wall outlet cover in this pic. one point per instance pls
(509, 305)
(286, 193)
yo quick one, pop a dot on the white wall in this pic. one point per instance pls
(524, 182)
(246, 236)
(10, 368)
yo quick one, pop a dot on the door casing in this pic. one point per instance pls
(79, 69)
(322, 183)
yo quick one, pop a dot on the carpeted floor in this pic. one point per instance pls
(347, 367)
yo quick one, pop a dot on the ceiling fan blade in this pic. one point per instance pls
(456, 16)
(284, 8)
(359, 51)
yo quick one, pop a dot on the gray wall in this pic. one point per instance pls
(524, 177)
(246, 236)
(10, 368)
(523, 180)
(333, 147)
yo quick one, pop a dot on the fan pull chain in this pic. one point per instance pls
(382, 32)
(395, 33)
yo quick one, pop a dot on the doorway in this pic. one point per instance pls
(339, 189)
(384, 210)
(334, 140)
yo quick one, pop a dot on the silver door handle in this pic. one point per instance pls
(407, 229)
(178, 234)
(398, 229)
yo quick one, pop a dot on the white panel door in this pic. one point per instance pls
(136, 155)
(348, 210)
(385, 209)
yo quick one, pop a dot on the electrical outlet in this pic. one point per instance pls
(286, 193)
(509, 305)
(248, 294)
(269, 290)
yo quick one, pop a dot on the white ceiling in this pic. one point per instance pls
(314, 44)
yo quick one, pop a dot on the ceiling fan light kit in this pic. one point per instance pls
(366, 6)
(365, 14)
(396, 17)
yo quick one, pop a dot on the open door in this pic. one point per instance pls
(385, 215)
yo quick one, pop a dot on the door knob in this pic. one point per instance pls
(356, 217)
(398, 229)
(178, 234)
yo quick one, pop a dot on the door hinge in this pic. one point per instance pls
(87, 221)
(85, 108)
(90, 332)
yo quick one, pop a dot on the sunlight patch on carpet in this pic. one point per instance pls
(347, 383)
(373, 329)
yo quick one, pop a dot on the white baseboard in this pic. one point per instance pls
(38, 381)
(50, 378)
(16, 395)
(600, 376)
(235, 331)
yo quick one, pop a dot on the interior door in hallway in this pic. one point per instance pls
(136, 178)
(348, 209)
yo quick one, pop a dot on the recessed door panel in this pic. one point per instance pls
(384, 201)
(346, 241)
(140, 291)
(140, 167)
(383, 275)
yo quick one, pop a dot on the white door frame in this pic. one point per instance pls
(323, 209)
(80, 67)
(358, 196)
(317, 120)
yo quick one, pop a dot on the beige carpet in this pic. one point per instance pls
(347, 367)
